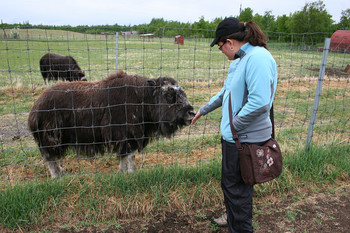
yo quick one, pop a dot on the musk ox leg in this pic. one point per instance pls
(123, 164)
(54, 168)
(127, 163)
(131, 162)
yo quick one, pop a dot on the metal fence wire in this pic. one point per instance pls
(198, 68)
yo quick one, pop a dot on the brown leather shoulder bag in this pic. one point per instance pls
(258, 164)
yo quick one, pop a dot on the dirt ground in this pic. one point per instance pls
(333, 72)
(322, 212)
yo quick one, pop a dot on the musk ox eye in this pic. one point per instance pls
(171, 98)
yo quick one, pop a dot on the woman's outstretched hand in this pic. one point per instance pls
(196, 117)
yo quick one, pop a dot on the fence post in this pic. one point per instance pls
(318, 92)
(116, 50)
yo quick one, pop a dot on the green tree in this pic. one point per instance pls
(281, 24)
(157, 22)
(259, 20)
(215, 23)
(312, 18)
(201, 24)
(246, 15)
(344, 23)
(268, 21)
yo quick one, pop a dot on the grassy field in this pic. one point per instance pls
(107, 199)
(201, 71)
(178, 173)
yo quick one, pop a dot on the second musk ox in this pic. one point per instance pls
(54, 66)
(120, 114)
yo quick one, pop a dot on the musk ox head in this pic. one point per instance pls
(76, 74)
(174, 111)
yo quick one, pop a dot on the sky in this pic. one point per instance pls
(135, 12)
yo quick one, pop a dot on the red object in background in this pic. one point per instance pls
(340, 41)
(179, 40)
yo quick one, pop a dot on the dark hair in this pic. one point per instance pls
(250, 32)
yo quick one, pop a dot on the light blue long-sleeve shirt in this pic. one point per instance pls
(252, 82)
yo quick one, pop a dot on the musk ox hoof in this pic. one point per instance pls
(55, 169)
(62, 170)
(127, 163)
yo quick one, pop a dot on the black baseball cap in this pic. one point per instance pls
(226, 27)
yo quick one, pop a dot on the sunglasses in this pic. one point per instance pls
(220, 47)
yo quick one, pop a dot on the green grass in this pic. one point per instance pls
(88, 198)
(24, 204)
(180, 145)
(27, 199)
(160, 56)
(325, 164)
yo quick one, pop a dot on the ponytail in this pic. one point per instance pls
(254, 35)
(249, 32)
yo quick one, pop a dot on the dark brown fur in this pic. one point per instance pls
(119, 114)
(54, 66)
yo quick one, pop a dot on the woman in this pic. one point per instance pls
(252, 82)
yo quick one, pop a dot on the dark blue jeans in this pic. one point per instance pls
(238, 196)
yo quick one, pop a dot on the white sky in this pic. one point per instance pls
(135, 12)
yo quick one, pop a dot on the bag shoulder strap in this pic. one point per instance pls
(272, 118)
(234, 133)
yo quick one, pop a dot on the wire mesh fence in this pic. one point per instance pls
(199, 69)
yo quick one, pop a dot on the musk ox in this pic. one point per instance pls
(54, 66)
(120, 114)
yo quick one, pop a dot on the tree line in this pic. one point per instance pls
(312, 18)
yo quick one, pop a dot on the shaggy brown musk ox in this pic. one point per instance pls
(54, 66)
(120, 114)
